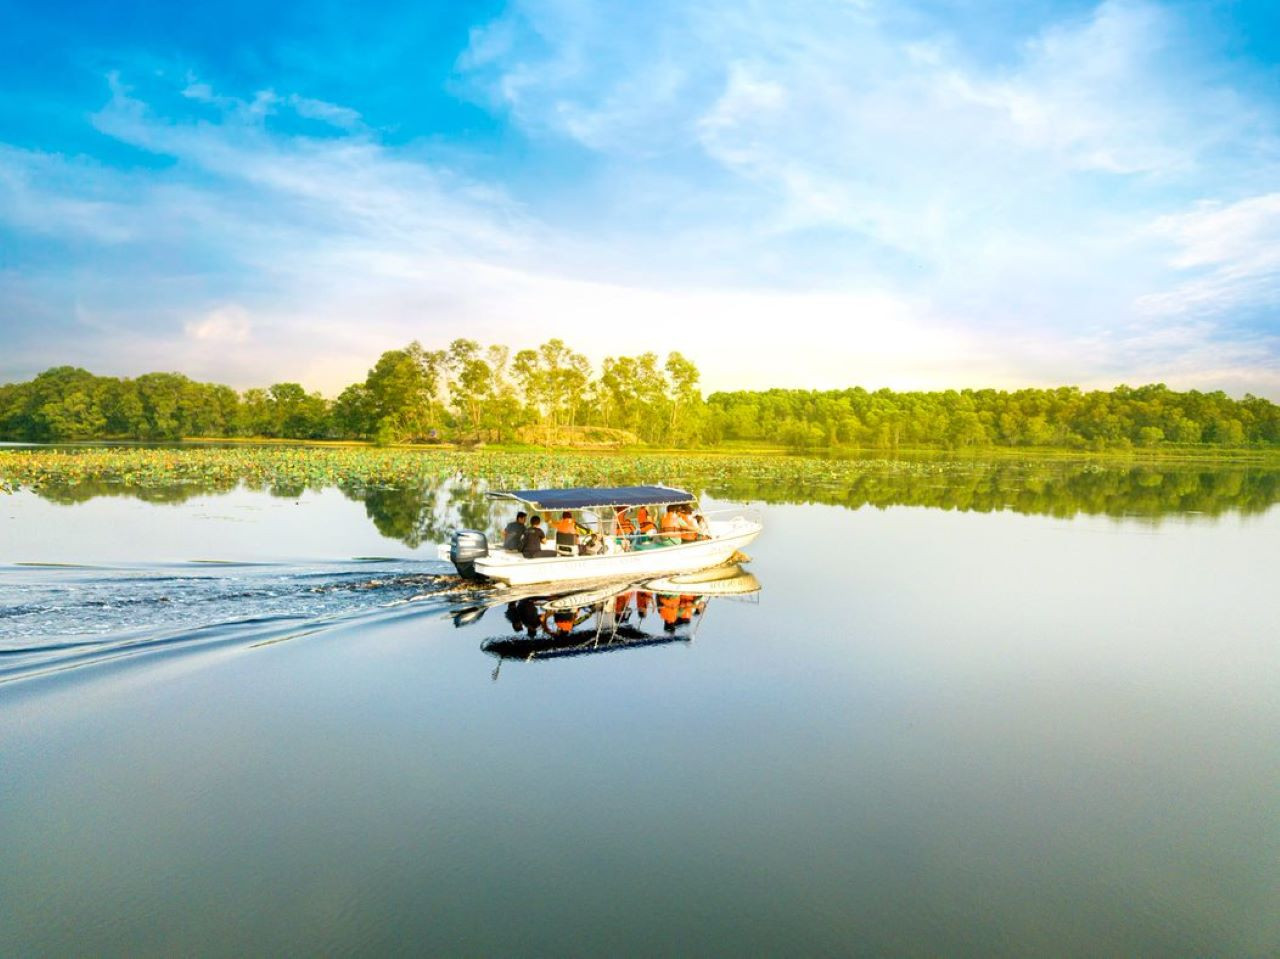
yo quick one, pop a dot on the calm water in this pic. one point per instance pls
(981, 714)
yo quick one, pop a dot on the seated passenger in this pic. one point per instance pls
(646, 524)
(674, 527)
(694, 524)
(623, 529)
(531, 545)
(691, 532)
(513, 535)
(566, 535)
(622, 522)
(645, 538)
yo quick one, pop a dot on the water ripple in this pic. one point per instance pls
(55, 617)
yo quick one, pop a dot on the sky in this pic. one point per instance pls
(915, 194)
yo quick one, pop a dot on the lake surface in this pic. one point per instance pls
(973, 713)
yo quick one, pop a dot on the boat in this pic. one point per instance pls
(617, 556)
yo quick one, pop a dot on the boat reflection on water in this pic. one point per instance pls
(608, 618)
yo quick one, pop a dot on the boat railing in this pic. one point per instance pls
(751, 514)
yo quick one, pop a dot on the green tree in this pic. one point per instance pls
(402, 389)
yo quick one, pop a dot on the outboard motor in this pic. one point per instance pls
(467, 546)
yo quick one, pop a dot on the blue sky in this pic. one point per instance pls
(913, 194)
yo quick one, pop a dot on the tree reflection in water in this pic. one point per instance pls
(1042, 488)
(429, 511)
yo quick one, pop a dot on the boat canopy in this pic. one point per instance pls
(587, 497)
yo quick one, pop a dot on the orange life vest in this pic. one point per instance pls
(622, 523)
(567, 526)
(646, 524)
(674, 524)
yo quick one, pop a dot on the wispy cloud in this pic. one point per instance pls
(1232, 253)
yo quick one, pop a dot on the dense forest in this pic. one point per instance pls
(471, 393)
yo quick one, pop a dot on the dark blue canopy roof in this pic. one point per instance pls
(585, 497)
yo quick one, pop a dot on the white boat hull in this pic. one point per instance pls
(727, 539)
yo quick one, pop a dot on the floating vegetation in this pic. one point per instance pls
(395, 485)
(318, 467)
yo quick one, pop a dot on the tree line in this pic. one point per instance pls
(1066, 417)
(466, 393)
(471, 393)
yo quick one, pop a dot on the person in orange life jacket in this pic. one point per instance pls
(622, 522)
(623, 528)
(643, 599)
(671, 525)
(675, 527)
(695, 524)
(690, 524)
(669, 610)
(566, 531)
(645, 538)
(646, 524)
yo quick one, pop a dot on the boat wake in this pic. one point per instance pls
(59, 617)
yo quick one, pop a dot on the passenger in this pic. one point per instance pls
(671, 526)
(695, 524)
(646, 524)
(676, 528)
(624, 530)
(622, 522)
(531, 545)
(513, 535)
(645, 538)
(700, 524)
(566, 535)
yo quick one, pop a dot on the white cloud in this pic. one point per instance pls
(339, 116)
(224, 325)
